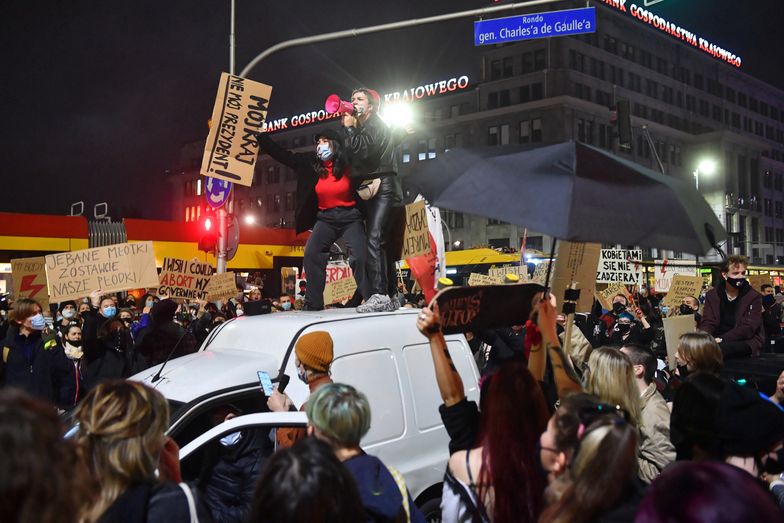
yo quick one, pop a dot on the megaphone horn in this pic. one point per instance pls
(334, 104)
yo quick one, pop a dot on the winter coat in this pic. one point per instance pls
(67, 378)
(380, 493)
(228, 490)
(26, 363)
(748, 317)
(155, 342)
(154, 503)
(656, 449)
(373, 148)
(303, 165)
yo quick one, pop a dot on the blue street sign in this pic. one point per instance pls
(536, 25)
(217, 192)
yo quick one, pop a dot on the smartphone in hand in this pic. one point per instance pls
(265, 382)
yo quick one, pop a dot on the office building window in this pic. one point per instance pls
(536, 130)
(422, 150)
(492, 100)
(406, 153)
(525, 131)
(504, 138)
(431, 148)
(495, 69)
(536, 91)
(506, 66)
(290, 201)
(454, 111)
(503, 98)
(492, 135)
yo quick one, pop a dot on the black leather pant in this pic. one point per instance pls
(386, 218)
(331, 225)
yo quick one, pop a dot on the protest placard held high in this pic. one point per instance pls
(238, 115)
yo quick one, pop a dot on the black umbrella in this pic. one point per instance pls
(573, 192)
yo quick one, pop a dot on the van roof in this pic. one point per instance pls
(245, 345)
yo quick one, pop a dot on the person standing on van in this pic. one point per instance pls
(314, 353)
(327, 203)
(339, 415)
(373, 152)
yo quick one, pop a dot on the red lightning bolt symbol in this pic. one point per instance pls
(28, 285)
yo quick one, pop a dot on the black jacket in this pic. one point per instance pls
(303, 165)
(153, 503)
(156, 341)
(228, 489)
(26, 363)
(67, 379)
(372, 147)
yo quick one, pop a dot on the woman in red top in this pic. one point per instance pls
(327, 203)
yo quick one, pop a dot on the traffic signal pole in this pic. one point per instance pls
(221, 258)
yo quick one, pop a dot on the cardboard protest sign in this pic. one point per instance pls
(339, 290)
(483, 307)
(29, 279)
(119, 267)
(221, 286)
(483, 279)
(238, 115)
(758, 280)
(576, 263)
(501, 272)
(540, 273)
(619, 265)
(682, 287)
(664, 273)
(606, 296)
(416, 241)
(185, 278)
(673, 328)
(338, 271)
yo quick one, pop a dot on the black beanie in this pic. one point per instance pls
(746, 423)
(163, 311)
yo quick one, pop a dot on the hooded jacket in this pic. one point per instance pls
(748, 316)
(380, 493)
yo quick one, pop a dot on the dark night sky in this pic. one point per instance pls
(98, 97)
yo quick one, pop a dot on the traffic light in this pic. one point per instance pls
(208, 232)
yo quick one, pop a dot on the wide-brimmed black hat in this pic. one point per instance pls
(329, 134)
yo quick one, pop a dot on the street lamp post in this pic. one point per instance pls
(705, 166)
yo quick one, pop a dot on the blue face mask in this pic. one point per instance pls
(108, 312)
(37, 322)
(149, 303)
(231, 439)
(324, 152)
(286, 305)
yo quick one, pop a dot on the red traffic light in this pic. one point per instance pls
(208, 233)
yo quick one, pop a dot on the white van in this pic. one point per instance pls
(383, 355)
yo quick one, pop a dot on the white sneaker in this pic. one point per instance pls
(377, 303)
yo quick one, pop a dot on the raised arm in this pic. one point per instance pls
(449, 383)
(278, 153)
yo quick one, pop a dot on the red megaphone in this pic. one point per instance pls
(335, 105)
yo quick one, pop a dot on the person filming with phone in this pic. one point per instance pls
(313, 361)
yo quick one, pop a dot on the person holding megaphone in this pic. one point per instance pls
(372, 150)
(326, 202)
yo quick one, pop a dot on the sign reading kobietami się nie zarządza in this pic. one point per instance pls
(535, 25)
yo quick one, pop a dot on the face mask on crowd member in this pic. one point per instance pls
(324, 149)
(239, 311)
(69, 311)
(36, 322)
(619, 305)
(108, 309)
(736, 275)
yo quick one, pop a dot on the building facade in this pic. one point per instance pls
(686, 106)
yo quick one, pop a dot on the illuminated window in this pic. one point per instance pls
(422, 150)
(431, 148)
(198, 187)
(187, 214)
(406, 153)
(276, 203)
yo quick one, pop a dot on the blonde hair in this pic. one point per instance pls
(611, 379)
(121, 434)
(701, 352)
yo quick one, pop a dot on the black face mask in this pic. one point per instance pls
(686, 309)
(618, 307)
(623, 328)
(738, 283)
(683, 371)
(77, 343)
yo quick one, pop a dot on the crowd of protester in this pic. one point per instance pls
(627, 441)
